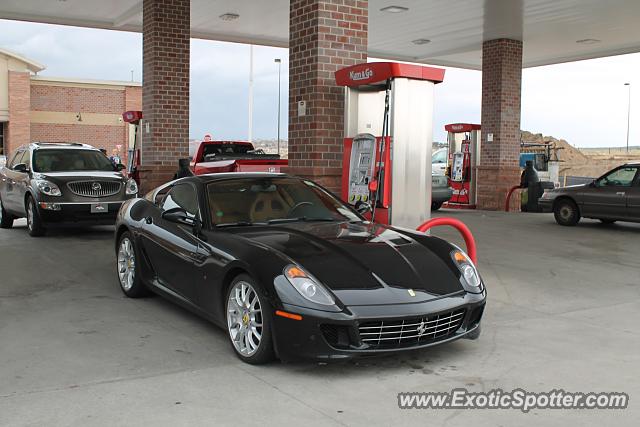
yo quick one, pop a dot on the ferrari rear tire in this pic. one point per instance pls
(249, 322)
(566, 212)
(128, 277)
(35, 227)
(6, 219)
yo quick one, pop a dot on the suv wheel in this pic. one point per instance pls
(6, 219)
(436, 205)
(566, 212)
(34, 222)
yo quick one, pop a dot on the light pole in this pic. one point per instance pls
(628, 113)
(250, 93)
(279, 62)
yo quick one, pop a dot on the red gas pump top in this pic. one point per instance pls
(461, 127)
(377, 72)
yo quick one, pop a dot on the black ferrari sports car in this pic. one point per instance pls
(291, 271)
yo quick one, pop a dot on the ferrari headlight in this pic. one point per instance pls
(307, 286)
(47, 187)
(469, 272)
(132, 187)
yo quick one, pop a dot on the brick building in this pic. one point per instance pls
(36, 108)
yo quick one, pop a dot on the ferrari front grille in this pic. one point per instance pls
(410, 332)
(95, 188)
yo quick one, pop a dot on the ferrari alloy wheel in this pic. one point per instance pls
(248, 322)
(566, 212)
(130, 283)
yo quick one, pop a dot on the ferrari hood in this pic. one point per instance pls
(365, 264)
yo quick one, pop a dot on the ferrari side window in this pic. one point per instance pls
(182, 196)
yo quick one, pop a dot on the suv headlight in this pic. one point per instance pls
(306, 286)
(131, 187)
(470, 275)
(47, 187)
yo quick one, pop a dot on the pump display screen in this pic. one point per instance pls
(365, 160)
(362, 168)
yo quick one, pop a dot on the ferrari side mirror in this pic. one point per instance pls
(178, 216)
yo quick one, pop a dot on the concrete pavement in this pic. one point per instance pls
(563, 308)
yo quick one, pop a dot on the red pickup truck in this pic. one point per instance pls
(211, 156)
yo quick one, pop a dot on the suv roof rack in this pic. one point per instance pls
(61, 143)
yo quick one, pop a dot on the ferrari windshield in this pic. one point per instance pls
(245, 201)
(65, 160)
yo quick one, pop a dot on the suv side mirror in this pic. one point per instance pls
(21, 167)
(363, 207)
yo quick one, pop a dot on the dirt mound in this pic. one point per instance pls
(566, 152)
(576, 162)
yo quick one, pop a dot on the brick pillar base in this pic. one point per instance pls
(324, 35)
(493, 184)
(165, 89)
(499, 159)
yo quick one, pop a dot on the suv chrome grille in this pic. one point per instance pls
(412, 331)
(95, 188)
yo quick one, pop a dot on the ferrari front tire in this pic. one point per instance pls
(130, 282)
(249, 322)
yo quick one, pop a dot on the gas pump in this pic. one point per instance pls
(133, 158)
(388, 138)
(462, 164)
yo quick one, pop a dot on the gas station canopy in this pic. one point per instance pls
(436, 32)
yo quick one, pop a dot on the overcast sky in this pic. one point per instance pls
(583, 102)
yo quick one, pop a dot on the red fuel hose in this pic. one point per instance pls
(458, 225)
(506, 203)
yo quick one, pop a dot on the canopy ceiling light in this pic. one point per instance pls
(394, 9)
(229, 16)
(588, 41)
